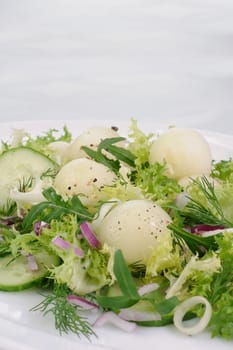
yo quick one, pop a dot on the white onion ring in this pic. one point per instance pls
(186, 306)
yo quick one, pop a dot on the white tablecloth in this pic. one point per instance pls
(164, 60)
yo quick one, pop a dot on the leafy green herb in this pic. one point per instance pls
(131, 297)
(126, 283)
(196, 244)
(54, 208)
(8, 209)
(195, 212)
(66, 314)
(25, 184)
(124, 277)
(164, 307)
(121, 154)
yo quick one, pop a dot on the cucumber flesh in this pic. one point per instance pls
(18, 164)
(16, 275)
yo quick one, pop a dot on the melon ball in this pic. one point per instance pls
(133, 227)
(185, 151)
(83, 177)
(59, 151)
(90, 138)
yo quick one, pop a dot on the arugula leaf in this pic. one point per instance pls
(126, 283)
(54, 208)
(121, 154)
(113, 165)
(196, 244)
(115, 303)
(124, 277)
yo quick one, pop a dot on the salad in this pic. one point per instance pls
(136, 228)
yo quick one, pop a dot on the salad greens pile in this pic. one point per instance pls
(82, 274)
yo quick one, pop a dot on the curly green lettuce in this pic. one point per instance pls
(140, 144)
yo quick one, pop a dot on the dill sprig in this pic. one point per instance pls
(195, 212)
(25, 184)
(66, 316)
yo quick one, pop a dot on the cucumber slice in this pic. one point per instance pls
(19, 164)
(16, 275)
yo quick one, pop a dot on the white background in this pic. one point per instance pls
(167, 61)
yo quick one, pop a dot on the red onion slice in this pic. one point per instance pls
(198, 229)
(33, 266)
(84, 303)
(112, 318)
(88, 233)
(61, 243)
(147, 288)
(79, 252)
(38, 226)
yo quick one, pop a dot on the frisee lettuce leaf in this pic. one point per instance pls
(83, 275)
(223, 170)
(221, 293)
(153, 182)
(166, 258)
(140, 143)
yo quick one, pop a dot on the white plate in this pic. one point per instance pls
(21, 329)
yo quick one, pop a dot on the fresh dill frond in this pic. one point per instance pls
(212, 214)
(66, 315)
(25, 184)
(8, 209)
(49, 173)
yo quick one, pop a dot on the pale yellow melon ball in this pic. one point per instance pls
(133, 227)
(83, 177)
(185, 151)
